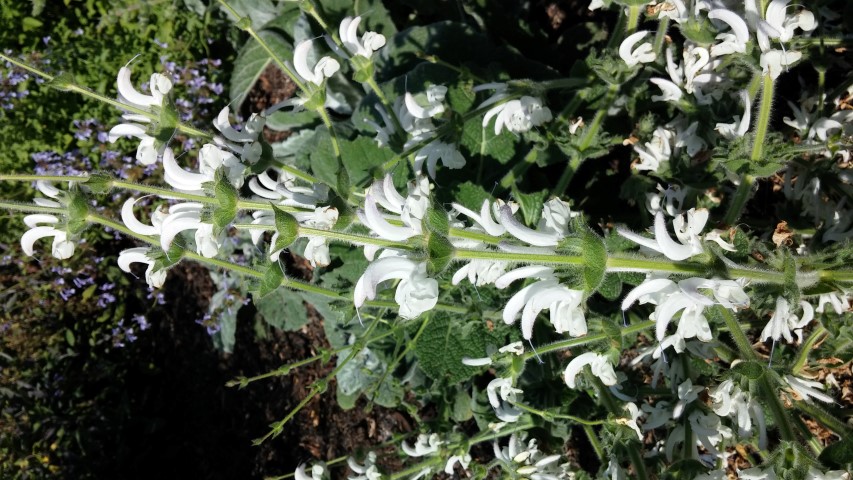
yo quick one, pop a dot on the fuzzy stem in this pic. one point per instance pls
(660, 35)
(633, 19)
(763, 121)
(23, 177)
(31, 208)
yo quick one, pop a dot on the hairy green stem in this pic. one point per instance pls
(31, 208)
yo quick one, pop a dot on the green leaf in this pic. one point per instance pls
(283, 309)
(751, 370)
(611, 287)
(252, 61)
(595, 259)
(530, 204)
(839, 454)
(271, 281)
(471, 195)
(461, 411)
(226, 197)
(362, 157)
(440, 252)
(99, 183)
(287, 228)
(481, 141)
(445, 341)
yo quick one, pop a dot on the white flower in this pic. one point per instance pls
(485, 220)
(526, 461)
(502, 395)
(519, 115)
(734, 42)
(837, 300)
(706, 431)
(480, 272)
(154, 278)
(777, 25)
(687, 393)
(656, 152)
(436, 150)
(462, 460)
(318, 472)
(425, 445)
(671, 92)
(599, 364)
(642, 54)
(285, 191)
(536, 238)
(368, 471)
(211, 158)
(631, 423)
(409, 210)
(783, 321)
(687, 229)
(160, 85)
(244, 143)
(564, 304)
(369, 43)
(772, 62)
(43, 225)
(740, 126)
(434, 99)
(146, 152)
(317, 249)
(815, 474)
(180, 217)
(808, 389)
(325, 67)
(730, 401)
(416, 293)
(685, 297)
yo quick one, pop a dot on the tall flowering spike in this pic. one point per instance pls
(323, 69)
(369, 42)
(633, 56)
(416, 293)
